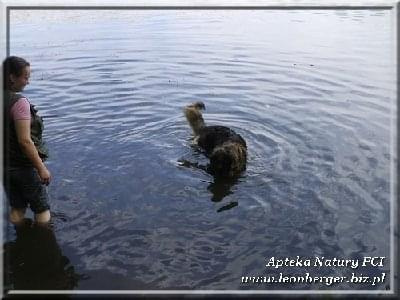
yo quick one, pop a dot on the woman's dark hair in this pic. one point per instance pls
(13, 65)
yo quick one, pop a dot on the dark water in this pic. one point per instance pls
(312, 92)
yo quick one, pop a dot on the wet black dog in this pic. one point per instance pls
(225, 148)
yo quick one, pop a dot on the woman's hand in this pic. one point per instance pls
(44, 175)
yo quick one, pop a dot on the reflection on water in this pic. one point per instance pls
(220, 187)
(34, 261)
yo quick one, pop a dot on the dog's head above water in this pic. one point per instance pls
(228, 160)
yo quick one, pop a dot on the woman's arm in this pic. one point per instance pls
(23, 130)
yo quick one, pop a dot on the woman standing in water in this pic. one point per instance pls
(25, 174)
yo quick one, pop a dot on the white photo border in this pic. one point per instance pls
(7, 6)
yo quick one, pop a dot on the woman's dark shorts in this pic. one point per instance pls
(23, 187)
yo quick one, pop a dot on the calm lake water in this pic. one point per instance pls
(311, 91)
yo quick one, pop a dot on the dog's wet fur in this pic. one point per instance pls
(225, 148)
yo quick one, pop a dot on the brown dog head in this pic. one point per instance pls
(228, 160)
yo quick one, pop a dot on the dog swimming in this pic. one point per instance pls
(225, 148)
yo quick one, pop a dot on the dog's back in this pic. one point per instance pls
(214, 136)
